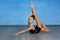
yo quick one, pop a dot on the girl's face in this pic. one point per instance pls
(31, 20)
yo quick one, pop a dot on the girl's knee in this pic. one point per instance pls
(47, 30)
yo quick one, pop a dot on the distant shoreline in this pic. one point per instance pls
(21, 25)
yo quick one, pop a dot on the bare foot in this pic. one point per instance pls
(31, 5)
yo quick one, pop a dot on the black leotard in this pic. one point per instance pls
(37, 30)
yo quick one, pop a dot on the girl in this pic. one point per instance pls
(40, 27)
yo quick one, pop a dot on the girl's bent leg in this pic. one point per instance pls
(44, 30)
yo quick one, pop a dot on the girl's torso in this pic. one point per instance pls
(35, 29)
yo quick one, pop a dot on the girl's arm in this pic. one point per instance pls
(31, 14)
(23, 31)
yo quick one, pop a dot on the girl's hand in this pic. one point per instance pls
(16, 34)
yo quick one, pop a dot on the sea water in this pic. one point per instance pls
(7, 31)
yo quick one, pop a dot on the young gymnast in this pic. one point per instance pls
(40, 27)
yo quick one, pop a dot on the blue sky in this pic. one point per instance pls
(16, 12)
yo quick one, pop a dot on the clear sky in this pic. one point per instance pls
(16, 12)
